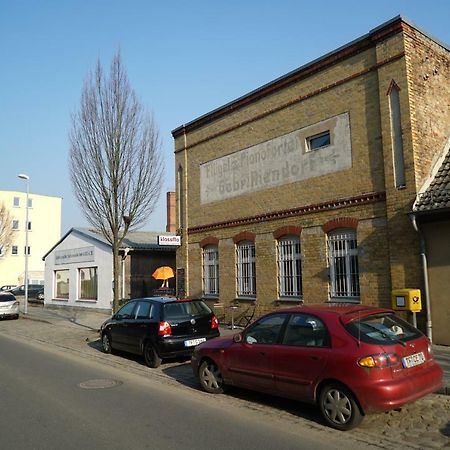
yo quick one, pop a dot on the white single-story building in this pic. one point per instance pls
(79, 268)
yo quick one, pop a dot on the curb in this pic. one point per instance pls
(36, 319)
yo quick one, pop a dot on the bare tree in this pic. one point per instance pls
(5, 228)
(115, 158)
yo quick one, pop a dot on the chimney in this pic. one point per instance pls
(171, 222)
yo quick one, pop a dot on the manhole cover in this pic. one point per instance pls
(101, 383)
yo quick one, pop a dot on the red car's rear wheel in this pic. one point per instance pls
(339, 407)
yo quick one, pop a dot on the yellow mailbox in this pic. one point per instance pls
(406, 300)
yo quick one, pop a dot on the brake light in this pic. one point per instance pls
(214, 323)
(379, 361)
(164, 329)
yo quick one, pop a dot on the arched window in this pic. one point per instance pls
(289, 267)
(397, 138)
(210, 270)
(343, 262)
(246, 269)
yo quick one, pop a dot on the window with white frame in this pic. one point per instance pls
(246, 269)
(318, 141)
(62, 283)
(87, 283)
(211, 270)
(16, 201)
(15, 224)
(14, 250)
(343, 261)
(289, 267)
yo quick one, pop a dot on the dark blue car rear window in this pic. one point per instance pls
(181, 310)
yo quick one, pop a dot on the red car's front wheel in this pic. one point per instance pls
(211, 378)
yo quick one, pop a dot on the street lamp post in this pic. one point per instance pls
(27, 179)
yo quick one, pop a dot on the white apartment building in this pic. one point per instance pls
(44, 229)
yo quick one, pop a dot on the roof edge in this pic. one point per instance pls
(76, 230)
(433, 172)
(377, 34)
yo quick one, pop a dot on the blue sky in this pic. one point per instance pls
(183, 58)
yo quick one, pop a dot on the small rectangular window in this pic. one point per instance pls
(246, 269)
(211, 270)
(29, 226)
(318, 141)
(15, 225)
(144, 310)
(14, 250)
(343, 260)
(88, 283)
(289, 267)
(30, 203)
(25, 250)
(16, 201)
(62, 284)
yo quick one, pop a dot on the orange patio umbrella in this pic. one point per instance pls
(163, 273)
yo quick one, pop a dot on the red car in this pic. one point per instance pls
(350, 360)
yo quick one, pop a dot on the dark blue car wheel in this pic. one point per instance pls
(151, 357)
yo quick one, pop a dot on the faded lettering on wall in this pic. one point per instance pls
(278, 161)
(74, 255)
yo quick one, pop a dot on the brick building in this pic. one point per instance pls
(300, 190)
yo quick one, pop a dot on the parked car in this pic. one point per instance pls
(9, 306)
(33, 289)
(350, 360)
(7, 287)
(37, 296)
(159, 328)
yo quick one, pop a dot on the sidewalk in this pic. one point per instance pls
(92, 320)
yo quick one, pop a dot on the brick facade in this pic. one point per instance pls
(353, 82)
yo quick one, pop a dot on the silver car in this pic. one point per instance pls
(9, 306)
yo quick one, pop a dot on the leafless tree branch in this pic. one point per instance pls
(6, 230)
(115, 157)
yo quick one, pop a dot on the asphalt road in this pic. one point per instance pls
(51, 400)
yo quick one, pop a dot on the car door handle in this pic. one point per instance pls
(315, 358)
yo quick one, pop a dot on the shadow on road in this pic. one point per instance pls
(183, 374)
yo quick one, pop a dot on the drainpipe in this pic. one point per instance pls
(423, 257)
(186, 215)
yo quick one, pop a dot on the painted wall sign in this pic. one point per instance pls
(285, 159)
(75, 255)
(169, 240)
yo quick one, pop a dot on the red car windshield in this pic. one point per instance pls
(385, 329)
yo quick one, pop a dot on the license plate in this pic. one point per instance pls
(413, 360)
(193, 342)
